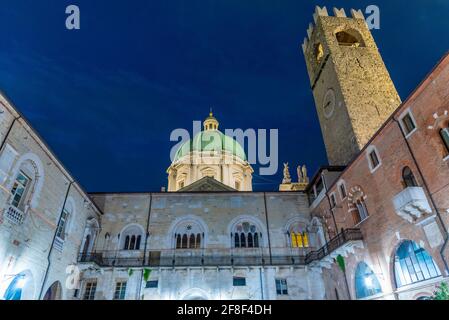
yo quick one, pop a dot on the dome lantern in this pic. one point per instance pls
(210, 123)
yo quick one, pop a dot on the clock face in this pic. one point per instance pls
(329, 103)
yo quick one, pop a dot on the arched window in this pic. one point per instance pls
(413, 264)
(408, 178)
(132, 237)
(90, 235)
(126, 243)
(198, 241)
(349, 38)
(192, 241)
(299, 237)
(86, 245)
(360, 212)
(189, 235)
(20, 190)
(236, 240)
(28, 175)
(139, 238)
(178, 241)
(256, 240)
(185, 241)
(366, 282)
(242, 240)
(246, 235)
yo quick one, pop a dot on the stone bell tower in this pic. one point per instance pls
(354, 94)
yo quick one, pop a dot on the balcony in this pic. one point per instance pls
(411, 204)
(15, 215)
(342, 244)
(191, 258)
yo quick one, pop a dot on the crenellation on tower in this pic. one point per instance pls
(340, 13)
(320, 12)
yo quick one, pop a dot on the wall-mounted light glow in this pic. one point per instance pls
(21, 282)
(368, 282)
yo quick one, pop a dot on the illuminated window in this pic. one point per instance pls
(413, 264)
(298, 237)
(366, 283)
(120, 290)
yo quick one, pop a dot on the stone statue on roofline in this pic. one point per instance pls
(287, 178)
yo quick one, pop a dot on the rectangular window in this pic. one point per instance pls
(62, 223)
(120, 290)
(89, 292)
(152, 284)
(342, 191)
(374, 159)
(333, 200)
(408, 124)
(281, 287)
(19, 188)
(239, 282)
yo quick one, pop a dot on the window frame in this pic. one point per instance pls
(373, 150)
(239, 281)
(404, 126)
(120, 290)
(411, 178)
(340, 184)
(25, 188)
(62, 225)
(333, 200)
(281, 286)
(90, 288)
(152, 284)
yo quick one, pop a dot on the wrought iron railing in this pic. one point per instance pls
(214, 257)
(15, 215)
(342, 238)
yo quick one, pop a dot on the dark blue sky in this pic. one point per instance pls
(106, 97)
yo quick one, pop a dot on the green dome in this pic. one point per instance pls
(211, 140)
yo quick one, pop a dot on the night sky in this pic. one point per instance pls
(105, 98)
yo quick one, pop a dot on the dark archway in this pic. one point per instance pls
(54, 292)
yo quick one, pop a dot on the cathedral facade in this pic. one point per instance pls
(371, 225)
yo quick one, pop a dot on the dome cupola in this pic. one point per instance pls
(210, 123)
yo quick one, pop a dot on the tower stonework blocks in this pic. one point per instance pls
(354, 94)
